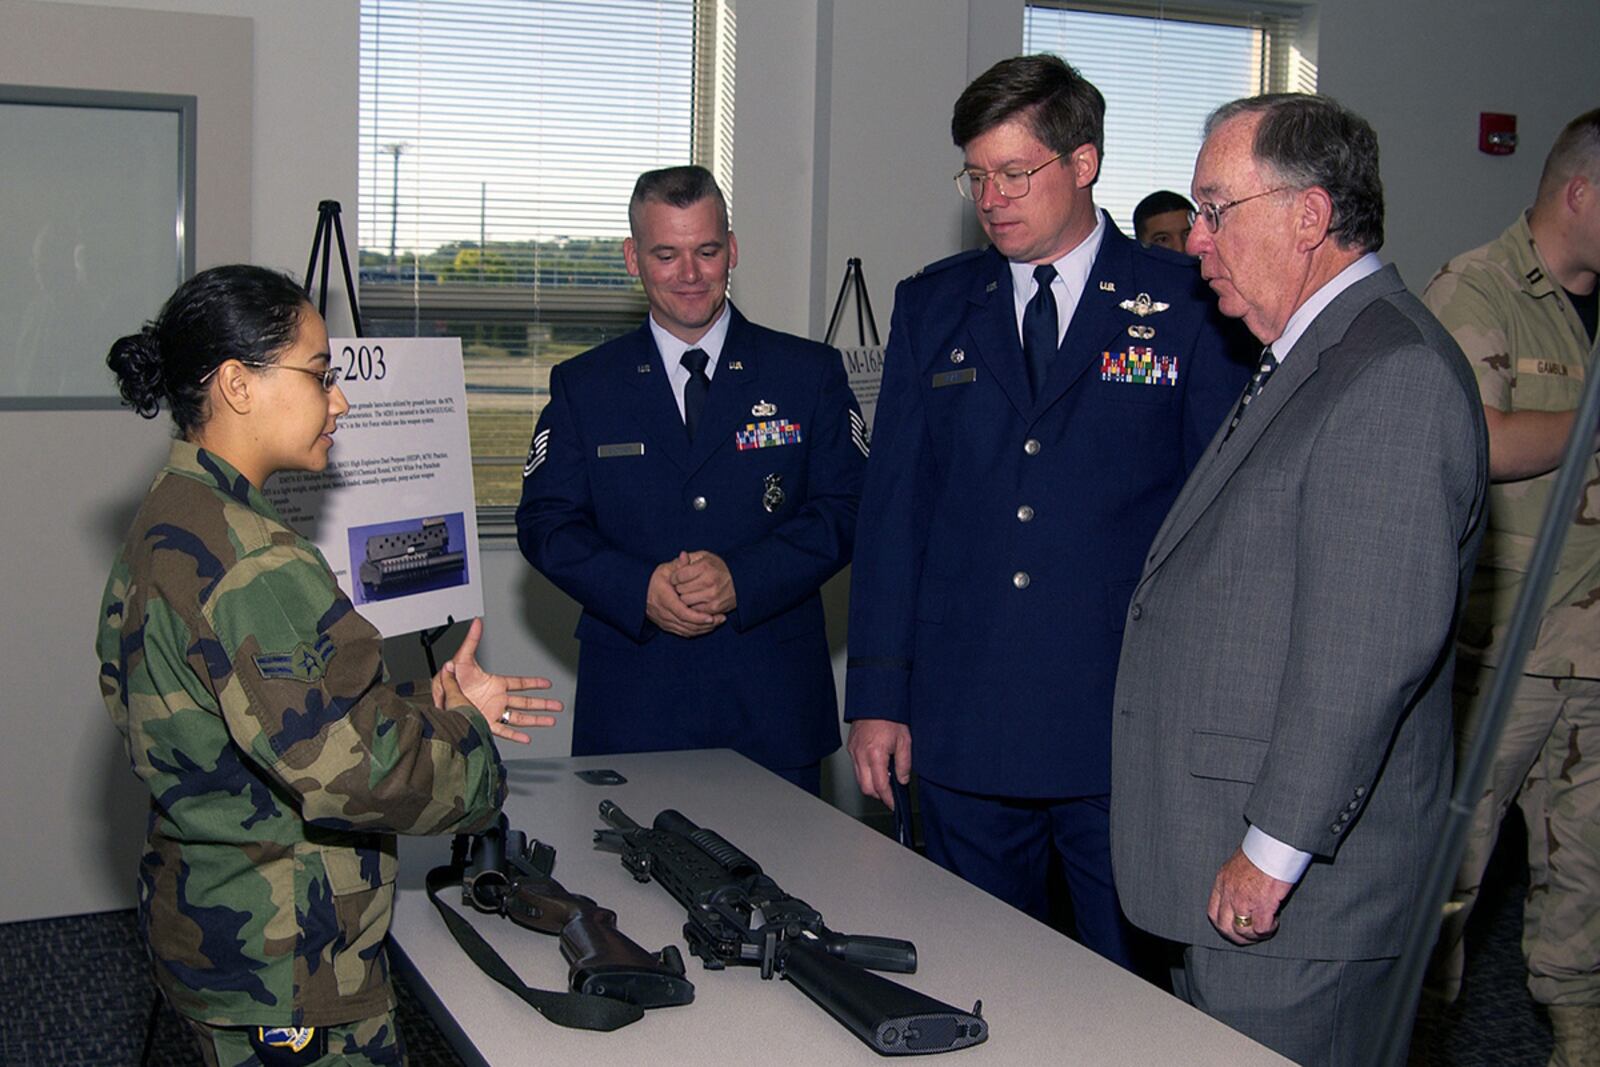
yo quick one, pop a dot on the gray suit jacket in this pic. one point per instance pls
(1288, 653)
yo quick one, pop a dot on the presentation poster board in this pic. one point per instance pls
(394, 511)
(864, 366)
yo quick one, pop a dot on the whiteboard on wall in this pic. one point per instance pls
(96, 230)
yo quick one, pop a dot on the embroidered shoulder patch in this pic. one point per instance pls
(304, 663)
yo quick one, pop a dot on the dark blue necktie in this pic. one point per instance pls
(1040, 337)
(695, 389)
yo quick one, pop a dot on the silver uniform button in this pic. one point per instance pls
(1031, 446)
(1021, 579)
(1024, 514)
(1137, 612)
(698, 503)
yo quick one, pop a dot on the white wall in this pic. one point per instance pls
(1421, 73)
(842, 149)
(276, 88)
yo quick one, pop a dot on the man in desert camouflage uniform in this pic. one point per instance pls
(251, 697)
(1523, 309)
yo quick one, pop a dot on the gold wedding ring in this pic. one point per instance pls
(1242, 922)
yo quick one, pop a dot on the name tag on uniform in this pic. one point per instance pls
(1549, 368)
(767, 434)
(955, 377)
(630, 448)
(1138, 366)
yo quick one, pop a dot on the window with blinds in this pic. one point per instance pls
(499, 141)
(1162, 70)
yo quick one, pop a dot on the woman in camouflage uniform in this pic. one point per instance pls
(254, 702)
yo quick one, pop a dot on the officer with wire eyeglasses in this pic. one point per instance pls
(1043, 401)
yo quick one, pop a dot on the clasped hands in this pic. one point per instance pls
(691, 595)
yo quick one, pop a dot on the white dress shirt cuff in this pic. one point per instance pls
(1283, 862)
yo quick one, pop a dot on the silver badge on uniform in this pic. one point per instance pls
(764, 410)
(772, 494)
(957, 356)
(1142, 305)
(1141, 331)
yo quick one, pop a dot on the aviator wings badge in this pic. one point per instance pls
(1142, 305)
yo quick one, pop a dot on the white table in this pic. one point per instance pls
(1046, 999)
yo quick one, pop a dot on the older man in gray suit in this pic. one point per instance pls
(1281, 748)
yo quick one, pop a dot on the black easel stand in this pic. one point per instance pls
(854, 282)
(1391, 1038)
(429, 637)
(328, 225)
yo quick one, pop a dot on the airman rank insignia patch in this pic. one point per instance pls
(1138, 366)
(305, 663)
(858, 432)
(768, 434)
(537, 451)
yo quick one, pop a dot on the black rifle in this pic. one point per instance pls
(503, 873)
(737, 914)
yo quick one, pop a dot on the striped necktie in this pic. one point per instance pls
(1269, 363)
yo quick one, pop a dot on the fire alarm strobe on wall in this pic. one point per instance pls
(1497, 133)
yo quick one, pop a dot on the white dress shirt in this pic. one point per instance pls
(672, 349)
(1072, 274)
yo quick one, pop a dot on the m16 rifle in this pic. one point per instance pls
(738, 914)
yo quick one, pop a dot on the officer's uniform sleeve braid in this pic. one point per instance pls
(299, 677)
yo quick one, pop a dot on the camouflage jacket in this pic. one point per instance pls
(253, 701)
(1528, 348)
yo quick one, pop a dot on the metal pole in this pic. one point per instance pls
(394, 150)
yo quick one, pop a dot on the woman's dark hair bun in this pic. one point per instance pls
(136, 361)
(233, 312)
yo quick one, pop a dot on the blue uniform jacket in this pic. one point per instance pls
(1000, 538)
(613, 488)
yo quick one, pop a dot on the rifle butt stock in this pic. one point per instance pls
(890, 1018)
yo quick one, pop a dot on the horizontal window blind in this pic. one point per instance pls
(1161, 72)
(500, 138)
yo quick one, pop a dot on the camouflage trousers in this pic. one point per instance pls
(373, 1042)
(1548, 760)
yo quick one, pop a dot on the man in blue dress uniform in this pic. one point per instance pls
(1043, 401)
(692, 485)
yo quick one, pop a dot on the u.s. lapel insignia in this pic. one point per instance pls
(1108, 287)
(1142, 305)
(1141, 332)
(644, 368)
(772, 493)
(991, 287)
(764, 410)
(957, 356)
(736, 365)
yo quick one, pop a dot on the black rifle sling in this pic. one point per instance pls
(580, 1011)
